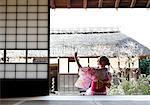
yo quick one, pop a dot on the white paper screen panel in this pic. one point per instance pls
(32, 38)
(42, 16)
(2, 16)
(20, 75)
(22, 9)
(11, 31)
(11, 16)
(42, 9)
(42, 75)
(32, 8)
(21, 45)
(31, 75)
(32, 2)
(32, 45)
(42, 38)
(42, 31)
(32, 23)
(2, 30)
(83, 62)
(42, 2)
(2, 23)
(63, 65)
(32, 15)
(42, 67)
(2, 8)
(31, 31)
(11, 2)
(2, 45)
(21, 38)
(10, 37)
(93, 62)
(10, 45)
(21, 23)
(10, 67)
(53, 60)
(11, 8)
(2, 37)
(73, 68)
(21, 16)
(42, 23)
(23, 27)
(21, 30)
(20, 67)
(22, 2)
(31, 67)
(3, 2)
(1, 75)
(1, 68)
(11, 23)
(27, 20)
(10, 75)
(42, 45)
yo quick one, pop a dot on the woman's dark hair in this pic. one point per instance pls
(104, 58)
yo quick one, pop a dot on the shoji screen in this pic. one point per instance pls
(24, 39)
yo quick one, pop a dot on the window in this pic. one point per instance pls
(16, 56)
(1, 56)
(24, 39)
(37, 56)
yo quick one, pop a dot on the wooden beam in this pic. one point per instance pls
(133, 2)
(100, 3)
(117, 3)
(68, 3)
(148, 4)
(84, 3)
(52, 3)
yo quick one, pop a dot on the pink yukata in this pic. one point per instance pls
(84, 80)
(93, 80)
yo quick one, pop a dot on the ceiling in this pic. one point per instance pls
(99, 4)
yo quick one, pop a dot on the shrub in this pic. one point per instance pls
(139, 87)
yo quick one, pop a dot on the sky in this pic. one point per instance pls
(133, 22)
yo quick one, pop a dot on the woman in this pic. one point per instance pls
(102, 78)
(98, 78)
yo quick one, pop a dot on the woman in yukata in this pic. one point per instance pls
(94, 80)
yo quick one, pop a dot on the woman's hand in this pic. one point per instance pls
(75, 54)
(76, 59)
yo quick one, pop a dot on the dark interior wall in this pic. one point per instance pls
(24, 87)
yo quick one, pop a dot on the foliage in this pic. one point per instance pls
(139, 87)
(145, 66)
(116, 90)
(131, 88)
(144, 85)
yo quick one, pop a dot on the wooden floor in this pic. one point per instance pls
(78, 100)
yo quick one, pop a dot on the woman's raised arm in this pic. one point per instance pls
(77, 61)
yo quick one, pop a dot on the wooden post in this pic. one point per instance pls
(148, 4)
(117, 3)
(100, 3)
(52, 3)
(84, 3)
(133, 2)
(68, 3)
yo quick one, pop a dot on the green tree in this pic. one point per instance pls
(145, 66)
